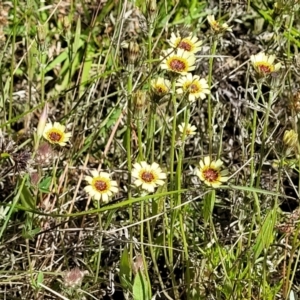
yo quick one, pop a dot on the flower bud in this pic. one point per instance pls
(140, 100)
(41, 35)
(152, 10)
(133, 52)
(42, 121)
(66, 23)
(216, 26)
(290, 138)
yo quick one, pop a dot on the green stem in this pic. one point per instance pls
(254, 124)
(128, 150)
(100, 245)
(264, 137)
(12, 65)
(173, 135)
(209, 102)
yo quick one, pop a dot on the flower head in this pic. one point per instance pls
(193, 86)
(178, 61)
(44, 154)
(189, 44)
(217, 26)
(100, 186)
(133, 51)
(264, 64)
(140, 100)
(188, 129)
(148, 177)
(55, 134)
(160, 86)
(210, 172)
(74, 277)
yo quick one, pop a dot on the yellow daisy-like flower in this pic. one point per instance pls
(217, 26)
(210, 172)
(264, 64)
(187, 128)
(189, 44)
(148, 177)
(55, 134)
(101, 186)
(178, 61)
(193, 86)
(160, 86)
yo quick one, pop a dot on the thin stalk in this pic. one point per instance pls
(173, 135)
(100, 245)
(139, 132)
(254, 124)
(173, 184)
(128, 150)
(12, 64)
(264, 136)
(209, 102)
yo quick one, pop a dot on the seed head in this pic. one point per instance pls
(133, 52)
(74, 277)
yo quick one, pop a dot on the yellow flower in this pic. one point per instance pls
(217, 26)
(148, 177)
(264, 64)
(193, 86)
(187, 128)
(210, 172)
(160, 86)
(189, 44)
(178, 61)
(55, 134)
(101, 186)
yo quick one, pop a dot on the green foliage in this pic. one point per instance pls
(141, 287)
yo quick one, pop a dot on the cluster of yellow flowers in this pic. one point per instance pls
(148, 177)
(145, 176)
(180, 59)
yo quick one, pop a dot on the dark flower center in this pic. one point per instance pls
(177, 65)
(194, 88)
(160, 90)
(147, 176)
(54, 136)
(185, 46)
(264, 69)
(101, 185)
(211, 175)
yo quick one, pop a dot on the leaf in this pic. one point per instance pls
(141, 287)
(209, 202)
(28, 233)
(27, 200)
(40, 278)
(86, 69)
(125, 269)
(45, 184)
(159, 241)
(265, 235)
(76, 43)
